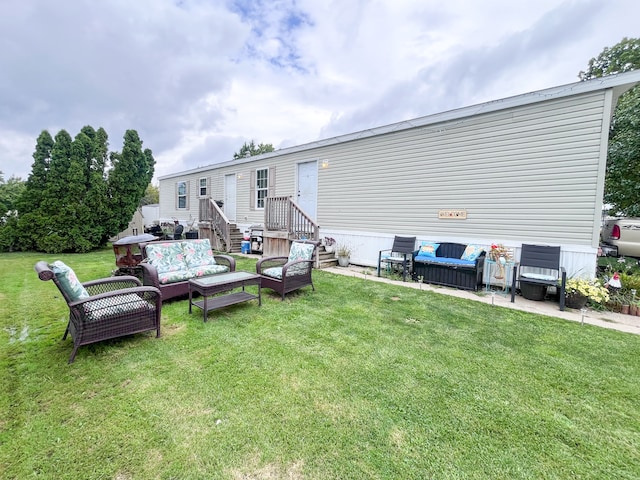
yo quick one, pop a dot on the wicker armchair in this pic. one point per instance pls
(105, 308)
(286, 274)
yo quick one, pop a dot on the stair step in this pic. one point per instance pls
(327, 263)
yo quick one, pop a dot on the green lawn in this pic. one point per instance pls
(356, 380)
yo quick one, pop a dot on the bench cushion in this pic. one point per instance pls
(446, 261)
(175, 276)
(204, 270)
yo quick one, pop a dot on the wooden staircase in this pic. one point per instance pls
(325, 259)
(284, 223)
(236, 237)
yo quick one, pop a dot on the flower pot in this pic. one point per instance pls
(633, 310)
(329, 248)
(624, 309)
(533, 291)
(575, 300)
(343, 261)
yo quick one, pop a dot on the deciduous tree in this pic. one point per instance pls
(250, 149)
(622, 181)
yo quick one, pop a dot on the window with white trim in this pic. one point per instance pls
(181, 190)
(262, 186)
(202, 187)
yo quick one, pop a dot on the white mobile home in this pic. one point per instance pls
(525, 169)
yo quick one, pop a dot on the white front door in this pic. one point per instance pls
(308, 188)
(230, 196)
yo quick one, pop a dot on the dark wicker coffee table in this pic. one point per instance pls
(225, 282)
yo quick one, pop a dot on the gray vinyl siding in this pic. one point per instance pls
(526, 169)
(528, 173)
(246, 214)
(524, 174)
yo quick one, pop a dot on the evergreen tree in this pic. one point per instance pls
(72, 202)
(52, 235)
(131, 174)
(32, 199)
(10, 193)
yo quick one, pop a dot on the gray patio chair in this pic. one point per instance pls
(403, 247)
(539, 266)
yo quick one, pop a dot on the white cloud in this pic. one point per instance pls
(197, 78)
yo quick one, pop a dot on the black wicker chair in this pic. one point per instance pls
(539, 268)
(284, 274)
(403, 246)
(107, 308)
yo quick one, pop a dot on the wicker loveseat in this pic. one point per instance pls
(168, 265)
(450, 264)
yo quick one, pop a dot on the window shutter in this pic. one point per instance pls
(252, 190)
(271, 191)
(188, 193)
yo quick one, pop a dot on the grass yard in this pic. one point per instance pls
(356, 380)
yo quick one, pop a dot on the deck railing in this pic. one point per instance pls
(212, 214)
(282, 214)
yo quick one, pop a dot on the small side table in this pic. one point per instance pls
(498, 275)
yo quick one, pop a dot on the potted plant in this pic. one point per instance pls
(579, 291)
(501, 255)
(343, 252)
(329, 244)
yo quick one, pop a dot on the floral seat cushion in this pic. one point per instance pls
(204, 270)
(175, 276)
(68, 281)
(166, 257)
(197, 253)
(273, 272)
(299, 251)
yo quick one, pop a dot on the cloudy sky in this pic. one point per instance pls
(197, 78)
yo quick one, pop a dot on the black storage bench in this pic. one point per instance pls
(448, 268)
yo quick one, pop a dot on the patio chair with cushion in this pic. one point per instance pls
(539, 268)
(400, 254)
(286, 274)
(105, 308)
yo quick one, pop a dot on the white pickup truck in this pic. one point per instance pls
(621, 237)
